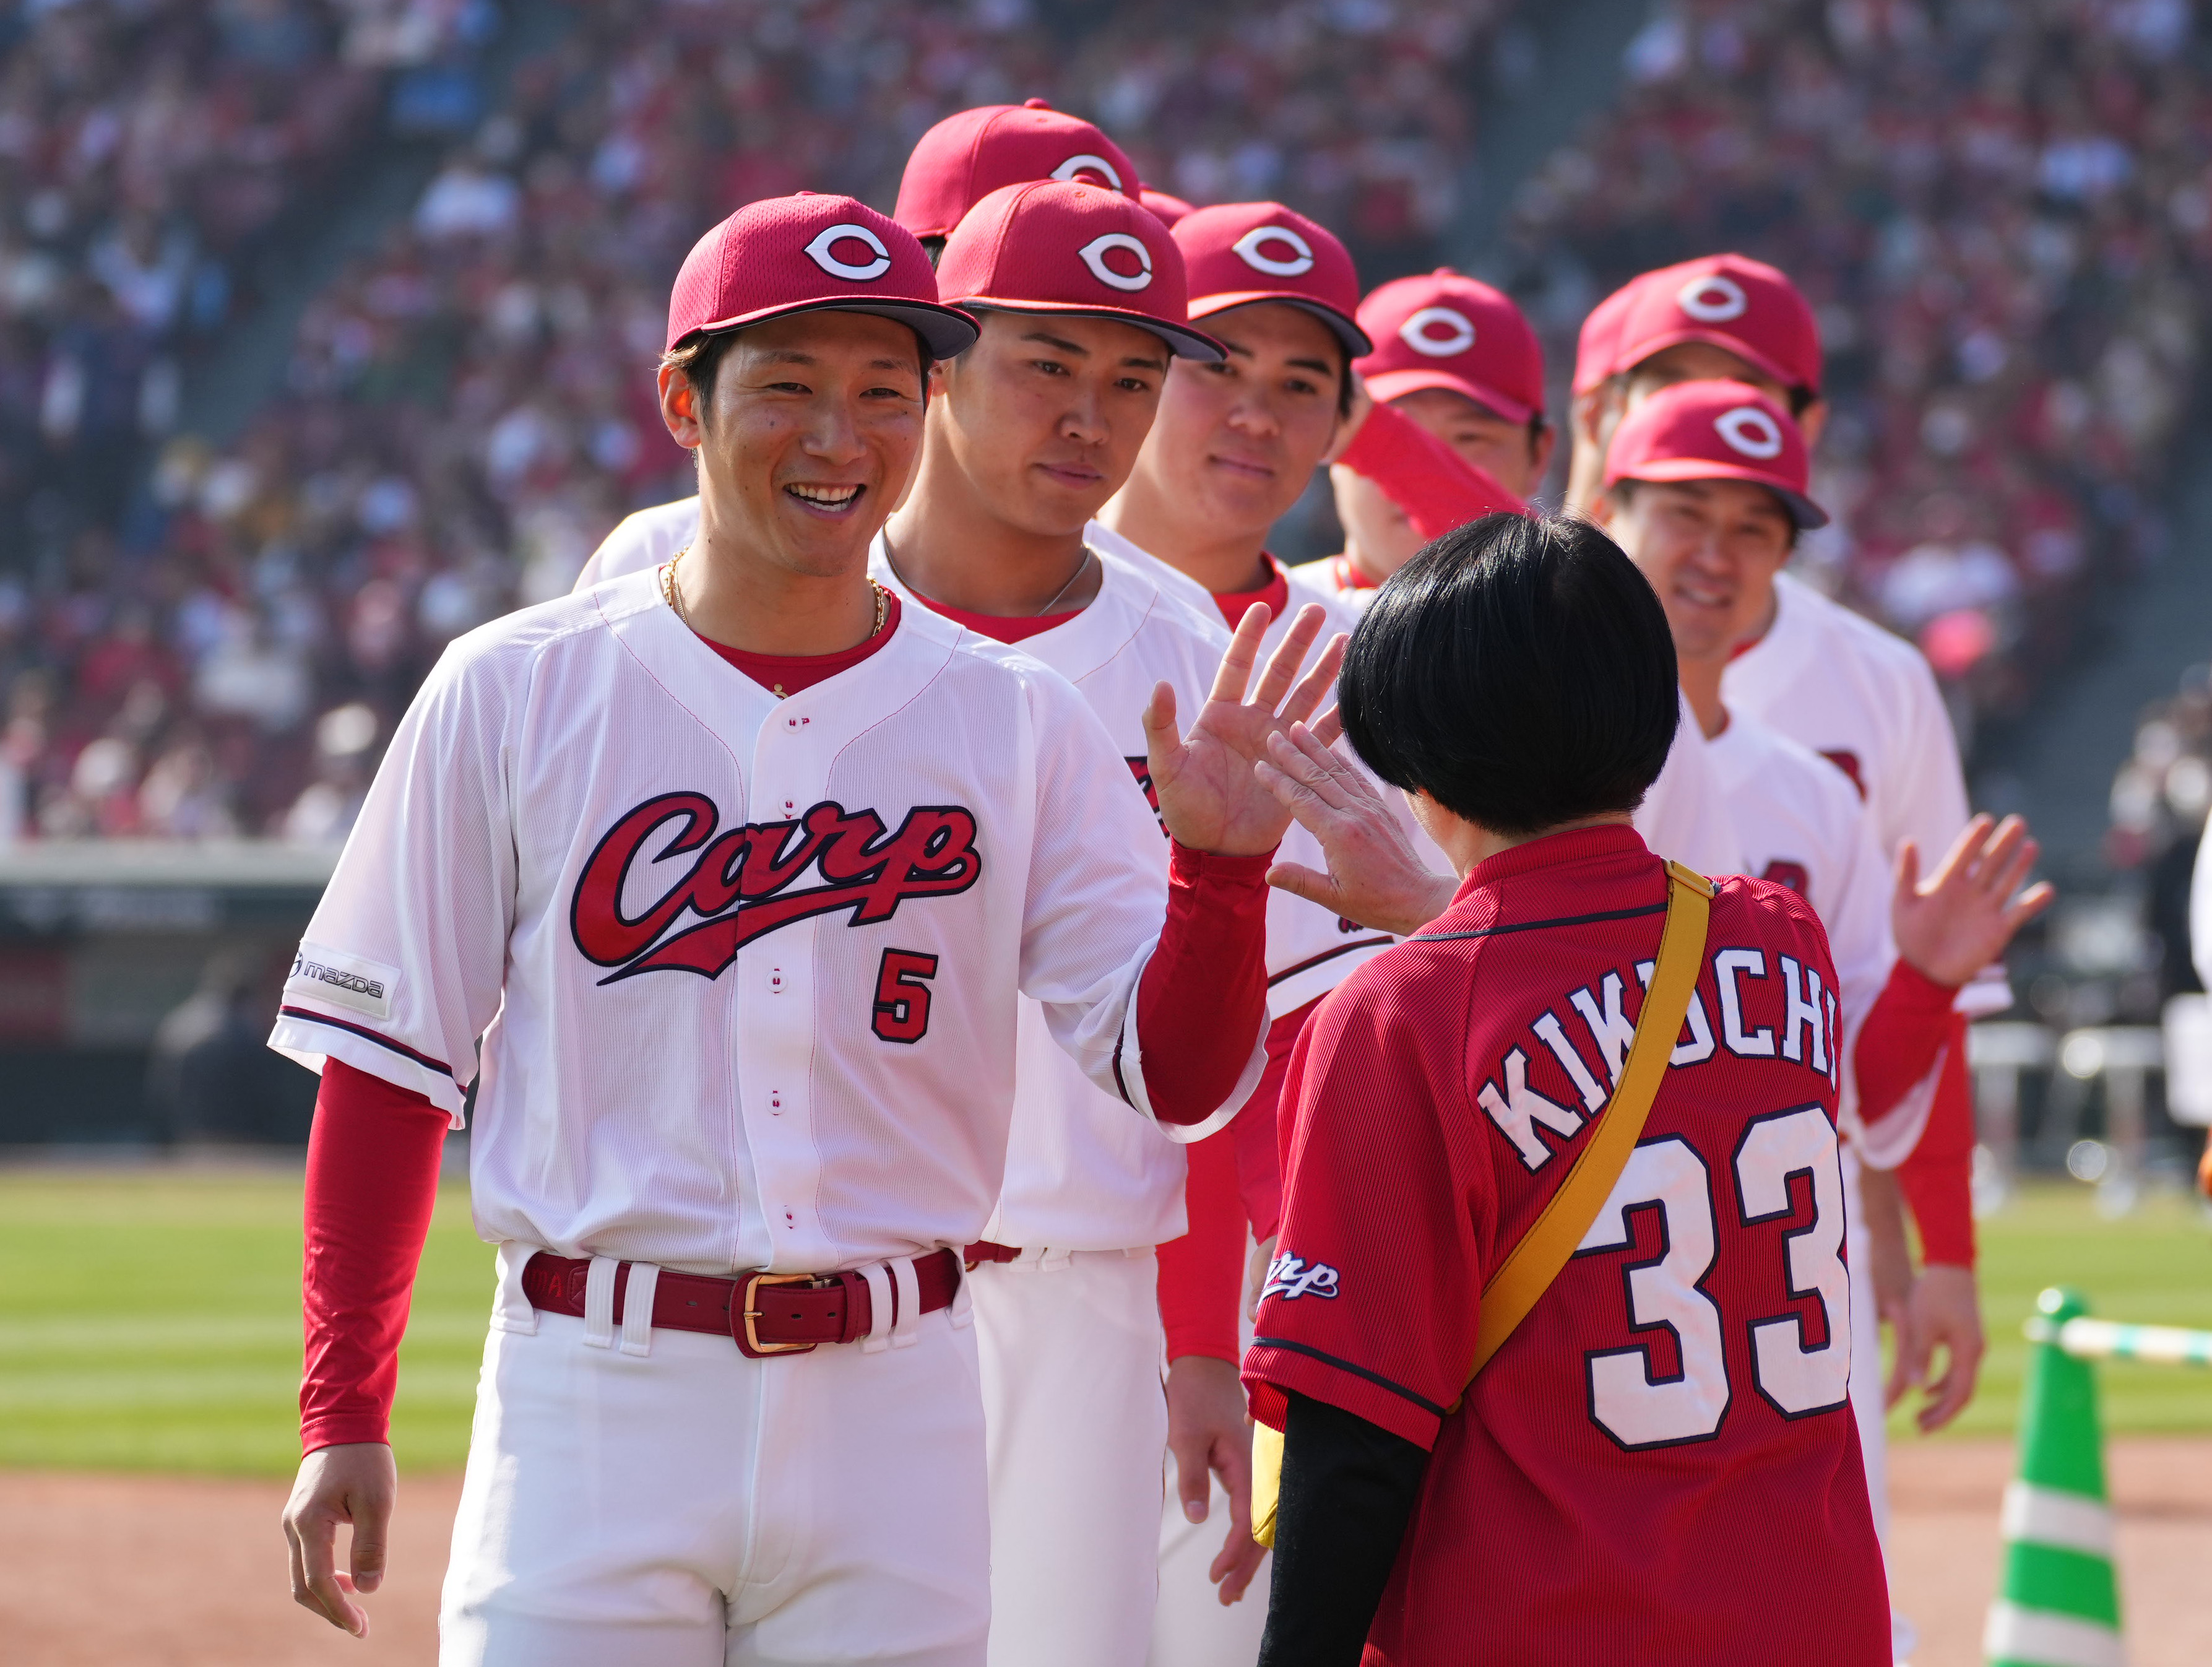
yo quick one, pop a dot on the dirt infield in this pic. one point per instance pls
(186, 1574)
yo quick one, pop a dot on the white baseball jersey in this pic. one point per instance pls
(1082, 1174)
(1335, 575)
(1310, 950)
(1803, 827)
(642, 540)
(1866, 701)
(745, 970)
(1685, 815)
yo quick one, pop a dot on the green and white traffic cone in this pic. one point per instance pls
(2059, 1605)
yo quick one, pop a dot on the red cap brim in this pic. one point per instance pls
(946, 331)
(1387, 385)
(1719, 338)
(1346, 328)
(1181, 340)
(1807, 514)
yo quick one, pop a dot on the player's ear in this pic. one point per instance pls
(1811, 421)
(679, 407)
(1604, 509)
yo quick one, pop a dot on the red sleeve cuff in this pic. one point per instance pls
(1270, 1368)
(1188, 868)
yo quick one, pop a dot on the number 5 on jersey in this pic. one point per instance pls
(902, 996)
(1640, 1409)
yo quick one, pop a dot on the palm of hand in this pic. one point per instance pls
(1962, 918)
(1211, 797)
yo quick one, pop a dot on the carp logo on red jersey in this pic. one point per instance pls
(743, 882)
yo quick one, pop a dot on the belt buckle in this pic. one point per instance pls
(749, 1315)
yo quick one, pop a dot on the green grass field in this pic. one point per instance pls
(150, 1320)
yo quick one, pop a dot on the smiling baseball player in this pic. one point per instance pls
(954, 165)
(724, 881)
(1706, 490)
(1082, 298)
(1835, 683)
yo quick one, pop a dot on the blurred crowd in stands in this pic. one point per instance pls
(468, 411)
(1995, 204)
(2161, 794)
(2002, 211)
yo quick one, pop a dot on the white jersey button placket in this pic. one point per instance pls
(774, 1017)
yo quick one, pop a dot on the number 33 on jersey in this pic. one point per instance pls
(1700, 1331)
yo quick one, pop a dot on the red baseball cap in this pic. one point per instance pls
(1449, 331)
(812, 253)
(969, 155)
(1051, 246)
(1599, 343)
(1715, 431)
(1732, 301)
(1238, 253)
(1165, 206)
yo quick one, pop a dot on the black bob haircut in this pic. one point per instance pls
(1519, 671)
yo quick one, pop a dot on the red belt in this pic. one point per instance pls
(983, 1251)
(764, 1314)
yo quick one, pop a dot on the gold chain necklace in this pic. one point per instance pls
(673, 593)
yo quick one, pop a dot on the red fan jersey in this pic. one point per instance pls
(1660, 1464)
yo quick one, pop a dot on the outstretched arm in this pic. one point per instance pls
(1202, 1000)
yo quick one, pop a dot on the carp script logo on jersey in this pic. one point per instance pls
(1290, 1277)
(744, 883)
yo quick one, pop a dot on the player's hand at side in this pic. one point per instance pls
(1210, 799)
(357, 1483)
(1955, 922)
(1374, 877)
(1945, 1314)
(1210, 1434)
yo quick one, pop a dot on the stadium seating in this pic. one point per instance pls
(2001, 211)
(2010, 324)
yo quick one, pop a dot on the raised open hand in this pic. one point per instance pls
(1374, 876)
(1952, 925)
(1210, 799)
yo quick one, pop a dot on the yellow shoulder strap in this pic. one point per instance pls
(1536, 1261)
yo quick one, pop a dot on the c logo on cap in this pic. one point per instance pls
(1077, 166)
(1249, 246)
(1419, 331)
(1713, 299)
(830, 237)
(1094, 257)
(1751, 431)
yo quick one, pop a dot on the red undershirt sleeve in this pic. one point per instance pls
(1436, 488)
(1203, 997)
(1202, 1272)
(1904, 1030)
(1258, 1128)
(1937, 1179)
(1236, 1180)
(372, 1159)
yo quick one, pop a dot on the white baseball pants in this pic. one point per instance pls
(688, 1507)
(1191, 1628)
(1070, 1346)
